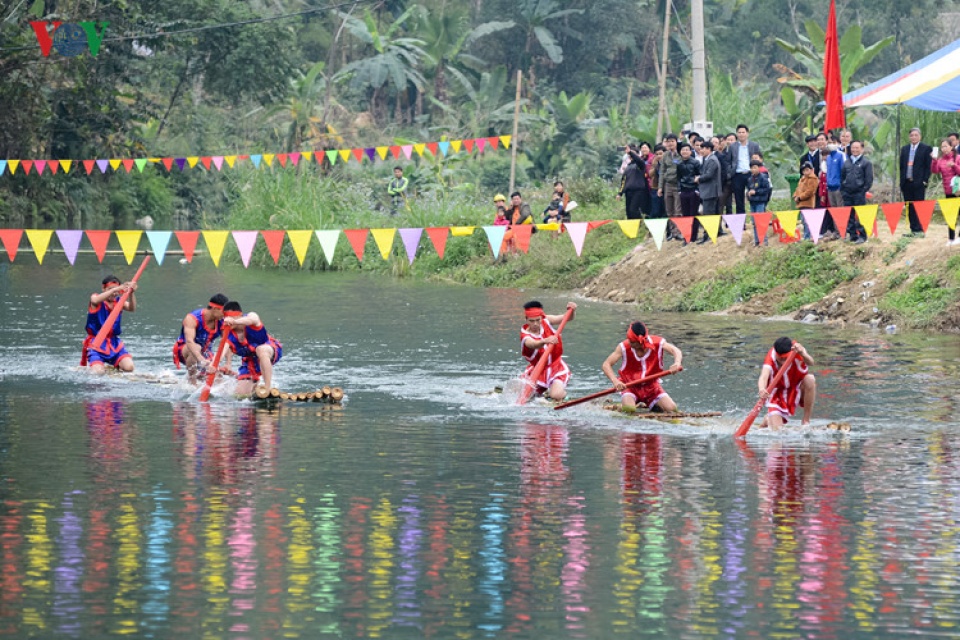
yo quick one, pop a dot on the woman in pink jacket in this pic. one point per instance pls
(946, 166)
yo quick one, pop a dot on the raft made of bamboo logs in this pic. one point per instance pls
(326, 394)
(654, 415)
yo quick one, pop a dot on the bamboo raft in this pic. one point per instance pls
(325, 394)
(653, 415)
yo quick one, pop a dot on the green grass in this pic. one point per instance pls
(922, 301)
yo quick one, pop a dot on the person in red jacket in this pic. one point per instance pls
(537, 333)
(797, 387)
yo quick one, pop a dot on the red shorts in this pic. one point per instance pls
(784, 403)
(647, 394)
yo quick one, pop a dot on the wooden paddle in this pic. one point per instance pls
(531, 383)
(117, 308)
(600, 394)
(748, 421)
(214, 366)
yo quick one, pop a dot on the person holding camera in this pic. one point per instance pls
(633, 184)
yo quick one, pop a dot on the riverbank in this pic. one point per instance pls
(888, 281)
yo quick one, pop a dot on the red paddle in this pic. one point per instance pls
(748, 421)
(531, 383)
(214, 366)
(599, 394)
(117, 308)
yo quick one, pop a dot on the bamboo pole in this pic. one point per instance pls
(662, 110)
(513, 139)
(336, 395)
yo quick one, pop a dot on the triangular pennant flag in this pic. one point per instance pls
(307, 156)
(245, 241)
(419, 148)
(282, 159)
(481, 142)
(129, 241)
(578, 233)
(217, 162)
(685, 224)
(141, 163)
(320, 156)
(328, 242)
(103, 165)
(736, 222)
(548, 226)
(88, 166)
(230, 160)
(3, 167)
(294, 158)
(949, 207)
(521, 236)
(841, 216)
(115, 163)
(761, 222)
(468, 145)
(456, 144)
(99, 241)
(596, 224)
(159, 241)
(657, 228)
(407, 150)
(444, 147)
(411, 241)
(788, 221)
(506, 141)
(867, 214)
(11, 241)
(438, 236)
(382, 152)
(256, 160)
(274, 241)
(630, 228)
(433, 148)
(358, 240)
(268, 159)
(924, 209)
(66, 164)
(181, 163)
(345, 155)
(300, 241)
(128, 164)
(358, 154)
(395, 150)
(332, 157)
(70, 242)
(52, 164)
(384, 240)
(39, 240)
(193, 160)
(814, 220)
(495, 235)
(40, 165)
(167, 164)
(215, 241)
(493, 142)
(892, 211)
(188, 242)
(27, 165)
(371, 153)
(712, 226)
(461, 232)
(13, 164)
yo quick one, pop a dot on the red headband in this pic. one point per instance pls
(631, 336)
(535, 312)
(233, 314)
(214, 305)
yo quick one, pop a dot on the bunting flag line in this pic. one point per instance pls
(658, 230)
(712, 226)
(328, 243)
(736, 222)
(814, 221)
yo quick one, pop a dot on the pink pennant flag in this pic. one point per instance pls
(407, 150)
(218, 162)
(70, 241)
(245, 240)
(40, 165)
(735, 222)
(294, 158)
(578, 233)
(411, 240)
(480, 143)
(814, 220)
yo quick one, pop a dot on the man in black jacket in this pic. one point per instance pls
(634, 185)
(915, 161)
(856, 178)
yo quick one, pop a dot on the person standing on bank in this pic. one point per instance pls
(741, 152)
(856, 178)
(397, 190)
(916, 160)
(633, 185)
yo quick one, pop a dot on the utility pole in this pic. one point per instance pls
(699, 62)
(662, 110)
(513, 139)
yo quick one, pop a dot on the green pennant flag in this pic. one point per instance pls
(141, 163)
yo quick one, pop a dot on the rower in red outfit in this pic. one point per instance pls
(534, 336)
(641, 355)
(797, 387)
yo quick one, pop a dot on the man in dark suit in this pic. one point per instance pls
(741, 152)
(710, 184)
(915, 161)
(812, 155)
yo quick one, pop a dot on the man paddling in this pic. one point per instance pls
(198, 330)
(113, 352)
(258, 350)
(536, 334)
(641, 355)
(797, 386)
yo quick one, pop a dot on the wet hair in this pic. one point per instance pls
(639, 328)
(783, 345)
(515, 193)
(220, 299)
(233, 305)
(742, 126)
(533, 304)
(109, 279)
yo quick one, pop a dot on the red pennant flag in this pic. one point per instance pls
(282, 159)
(521, 236)
(493, 141)
(11, 241)
(468, 145)
(54, 165)
(438, 236)
(593, 224)
(762, 223)
(188, 242)
(434, 148)
(395, 150)
(358, 154)
(274, 240)
(685, 224)
(88, 166)
(924, 209)
(320, 155)
(358, 240)
(26, 164)
(833, 90)
(841, 216)
(99, 240)
(892, 211)
(168, 164)
(205, 161)
(128, 164)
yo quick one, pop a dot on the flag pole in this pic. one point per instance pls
(513, 140)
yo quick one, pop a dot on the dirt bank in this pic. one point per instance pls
(908, 282)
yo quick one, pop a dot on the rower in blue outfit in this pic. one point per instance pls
(112, 351)
(199, 329)
(258, 350)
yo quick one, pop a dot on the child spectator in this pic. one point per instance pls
(805, 194)
(946, 166)
(758, 192)
(501, 219)
(554, 210)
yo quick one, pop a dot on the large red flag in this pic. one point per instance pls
(833, 85)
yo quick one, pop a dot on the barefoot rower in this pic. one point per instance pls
(537, 333)
(199, 329)
(112, 352)
(258, 350)
(797, 386)
(640, 356)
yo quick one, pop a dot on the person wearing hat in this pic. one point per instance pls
(500, 201)
(641, 355)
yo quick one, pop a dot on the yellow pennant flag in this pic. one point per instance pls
(712, 225)
(788, 221)
(419, 148)
(384, 240)
(65, 165)
(867, 214)
(345, 154)
(630, 228)
(456, 144)
(216, 241)
(39, 240)
(546, 226)
(115, 164)
(382, 152)
(949, 208)
(192, 161)
(12, 165)
(505, 140)
(461, 231)
(129, 241)
(300, 241)
(268, 158)
(231, 160)
(307, 155)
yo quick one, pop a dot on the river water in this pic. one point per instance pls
(418, 510)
